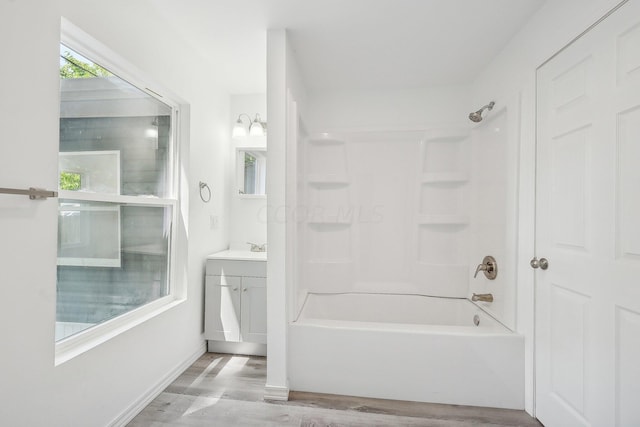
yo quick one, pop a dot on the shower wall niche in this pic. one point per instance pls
(385, 212)
(329, 265)
(443, 213)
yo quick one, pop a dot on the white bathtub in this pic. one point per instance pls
(405, 347)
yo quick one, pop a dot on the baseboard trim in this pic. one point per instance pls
(279, 393)
(246, 348)
(129, 414)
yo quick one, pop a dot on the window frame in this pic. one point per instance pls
(87, 46)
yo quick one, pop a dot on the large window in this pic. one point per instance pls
(117, 195)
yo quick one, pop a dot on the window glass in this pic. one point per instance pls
(100, 112)
(116, 206)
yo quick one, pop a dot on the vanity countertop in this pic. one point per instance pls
(238, 255)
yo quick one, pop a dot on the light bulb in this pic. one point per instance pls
(256, 129)
(239, 131)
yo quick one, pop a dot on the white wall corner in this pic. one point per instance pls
(276, 393)
(139, 404)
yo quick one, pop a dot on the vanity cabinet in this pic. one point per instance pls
(236, 303)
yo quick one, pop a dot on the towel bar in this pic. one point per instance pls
(33, 193)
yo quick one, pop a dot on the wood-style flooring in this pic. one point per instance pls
(227, 390)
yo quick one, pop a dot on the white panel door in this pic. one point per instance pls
(222, 308)
(588, 227)
(254, 310)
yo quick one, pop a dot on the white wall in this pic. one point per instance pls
(100, 385)
(277, 382)
(248, 215)
(512, 75)
(387, 110)
(286, 101)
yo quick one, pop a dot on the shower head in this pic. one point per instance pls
(476, 116)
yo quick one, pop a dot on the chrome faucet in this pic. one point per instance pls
(482, 297)
(258, 248)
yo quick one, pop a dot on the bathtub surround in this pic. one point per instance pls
(401, 209)
(493, 196)
(422, 163)
(386, 212)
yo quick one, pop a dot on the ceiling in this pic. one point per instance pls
(350, 44)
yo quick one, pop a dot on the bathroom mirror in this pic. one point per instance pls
(251, 170)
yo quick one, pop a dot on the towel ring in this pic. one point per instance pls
(204, 185)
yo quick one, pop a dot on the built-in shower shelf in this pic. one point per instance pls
(443, 220)
(327, 179)
(444, 177)
(325, 138)
(446, 135)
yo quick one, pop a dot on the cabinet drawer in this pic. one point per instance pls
(216, 267)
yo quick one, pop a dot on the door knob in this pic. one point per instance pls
(541, 263)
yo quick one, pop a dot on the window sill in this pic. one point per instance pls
(75, 345)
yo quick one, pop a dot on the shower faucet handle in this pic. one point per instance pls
(489, 266)
(481, 267)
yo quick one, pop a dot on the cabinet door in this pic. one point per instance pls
(254, 310)
(222, 308)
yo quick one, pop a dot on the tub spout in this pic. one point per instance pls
(482, 297)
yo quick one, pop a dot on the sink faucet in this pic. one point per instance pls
(482, 297)
(258, 248)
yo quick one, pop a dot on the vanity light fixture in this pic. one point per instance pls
(256, 127)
